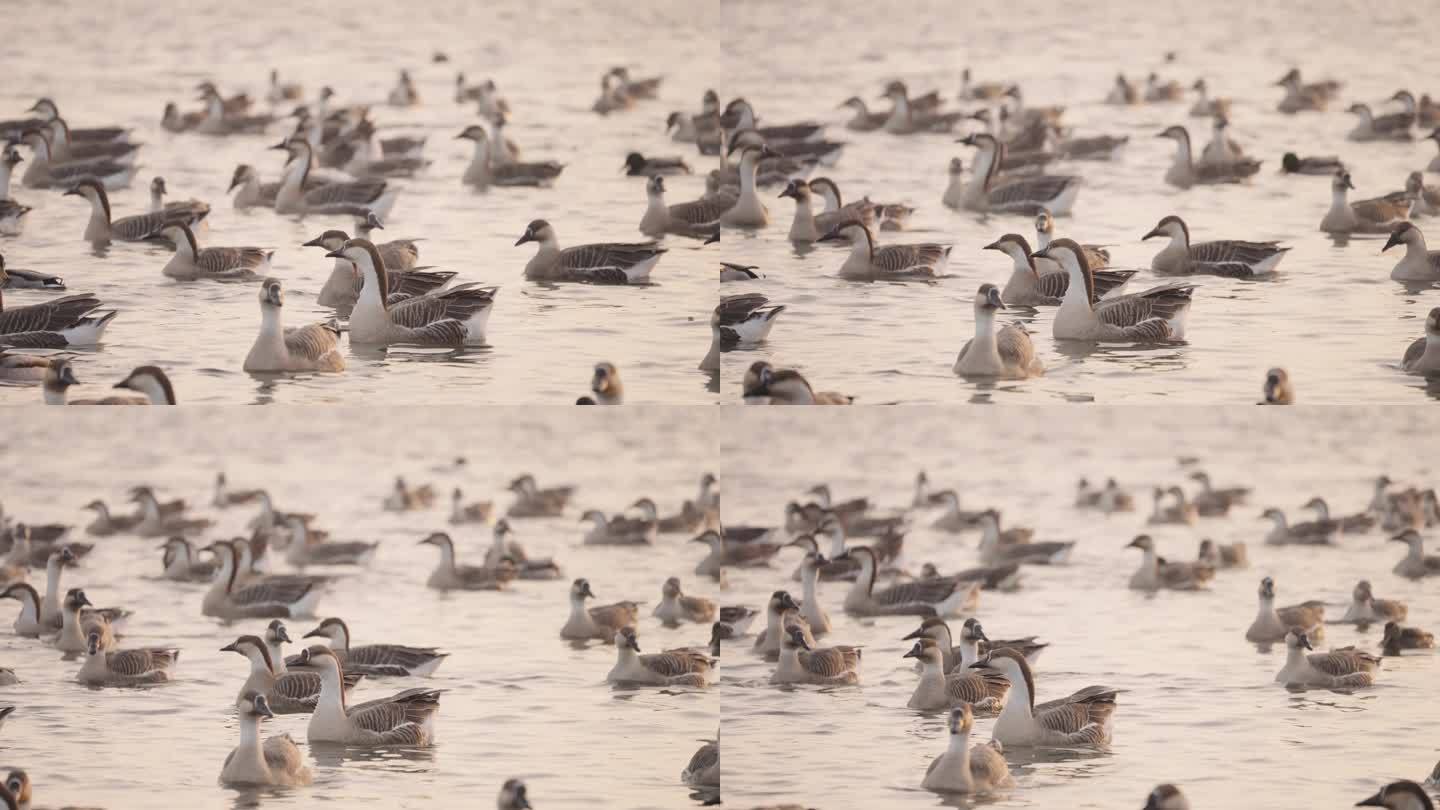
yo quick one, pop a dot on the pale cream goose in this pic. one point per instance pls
(1345, 668)
(109, 667)
(601, 622)
(1080, 720)
(315, 347)
(966, 769)
(680, 667)
(800, 662)
(1272, 623)
(1006, 353)
(404, 719)
(1156, 315)
(276, 761)
(452, 317)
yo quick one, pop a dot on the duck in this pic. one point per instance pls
(1156, 574)
(1006, 354)
(1185, 172)
(1080, 720)
(105, 666)
(275, 762)
(403, 719)
(314, 347)
(676, 607)
(1053, 193)
(1272, 623)
(680, 667)
(1416, 564)
(966, 769)
(307, 547)
(1365, 608)
(697, 219)
(297, 196)
(377, 660)
(150, 384)
(866, 261)
(1227, 555)
(462, 513)
(449, 576)
(484, 172)
(800, 662)
(601, 622)
(1344, 668)
(48, 172)
(451, 317)
(227, 599)
(937, 597)
(1402, 795)
(764, 382)
(1205, 106)
(1228, 257)
(599, 263)
(1306, 533)
(180, 562)
(1379, 215)
(1156, 315)
(1392, 127)
(288, 692)
(1423, 355)
(1419, 263)
(1291, 163)
(937, 690)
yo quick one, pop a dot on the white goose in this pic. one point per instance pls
(1082, 719)
(403, 719)
(1006, 353)
(963, 769)
(1156, 315)
(297, 196)
(450, 317)
(315, 347)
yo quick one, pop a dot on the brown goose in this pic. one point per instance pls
(801, 662)
(403, 719)
(935, 597)
(375, 660)
(1156, 315)
(288, 692)
(1081, 719)
(1227, 257)
(599, 263)
(924, 260)
(983, 691)
(1186, 172)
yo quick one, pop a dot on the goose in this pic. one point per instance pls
(1301, 97)
(1423, 355)
(1014, 546)
(980, 91)
(477, 512)
(1278, 389)
(162, 519)
(739, 320)
(963, 769)
(48, 111)
(1397, 638)
(690, 518)
(1402, 795)
(910, 116)
(505, 548)
(923, 260)
(703, 770)
(1229, 257)
(226, 116)
(1054, 193)
(781, 615)
(801, 662)
(483, 172)
(1230, 496)
(936, 597)
(1416, 564)
(599, 263)
(296, 196)
(618, 530)
(1156, 90)
(1435, 161)
(1156, 315)
(45, 172)
(308, 547)
(955, 519)
(1205, 106)
(1272, 623)
(27, 622)
(954, 196)
(863, 120)
(1365, 608)
(377, 660)
(314, 347)
(1093, 147)
(697, 219)
(1379, 215)
(288, 692)
(105, 666)
(106, 524)
(486, 94)
(365, 163)
(65, 150)
(983, 692)
(811, 609)
(1166, 797)
(1345, 668)
(194, 211)
(225, 497)
(807, 226)
(735, 621)
(1183, 513)
(601, 622)
(1425, 200)
(1156, 574)
(450, 317)
(172, 120)
(748, 211)
(531, 501)
(449, 576)
(1222, 150)
(403, 719)
(681, 667)
(252, 193)
(513, 796)
(1217, 556)
(277, 761)
(150, 384)
(605, 383)
(1392, 127)
(973, 643)
(1419, 263)
(1186, 172)
(676, 607)
(1080, 720)
(399, 256)
(287, 91)
(228, 599)
(764, 382)
(1360, 522)
(404, 94)
(1098, 256)
(12, 213)
(191, 263)
(807, 153)
(1292, 163)
(137, 228)
(51, 615)
(1006, 353)
(891, 216)
(1306, 533)
(180, 564)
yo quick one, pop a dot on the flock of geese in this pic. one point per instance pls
(1015, 147)
(321, 679)
(334, 166)
(965, 674)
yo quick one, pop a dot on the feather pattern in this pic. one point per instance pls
(909, 259)
(1031, 193)
(830, 662)
(49, 316)
(134, 663)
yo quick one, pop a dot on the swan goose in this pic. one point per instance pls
(451, 317)
(811, 609)
(1418, 263)
(276, 761)
(1185, 171)
(936, 597)
(1054, 193)
(680, 667)
(47, 172)
(601, 622)
(598, 263)
(1416, 564)
(27, 621)
(676, 607)
(288, 692)
(782, 615)
(1156, 315)
(450, 576)
(1345, 668)
(314, 347)
(1228, 257)
(973, 643)
(102, 228)
(377, 660)
(1043, 282)
(403, 719)
(1365, 608)
(1402, 795)
(296, 196)
(618, 530)
(1378, 215)
(1217, 556)
(105, 666)
(1392, 127)
(1284, 533)
(801, 662)
(179, 563)
(1007, 353)
(484, 171)
(739, 320)
(866, 261)
(937, 689)
(79, 623)
(191, 263)
(966, 769)
(697, 219)
(1155, 574)
(227, 599)
(1081, 719)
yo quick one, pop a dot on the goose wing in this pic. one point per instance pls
(830, 662)
(676, 662)
(1232, 172)
(313, 342)
(972, 687)
(282, 755)
(397, 659)
(356, 193)
(55, 340)
(399, 717)
(1159, 303)
(458, 303)
(231, 261)
(148, 225)
(1016, 349)
(1345, 661)
(139, 662)
(50, 316)
(1069, 715)
(302, 688)
(418, 282)
(909, 259)
(1030, 193)
(607, 257)
(1186, 575)
(704, 211)
(282, 593)
(616, 616)
(736, 309)
(1413, 352)
(525, 174)
(1234, 250)
(1381, 209)
(1305, 615)
(925, 591)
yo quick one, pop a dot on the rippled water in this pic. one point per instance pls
(518, 701)
(120, 62)
(1332, 316)
(1199, 708)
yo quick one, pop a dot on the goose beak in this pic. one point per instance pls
(335, 254)
(229, 648)
(526, 237)
(1153, 232)
(1395, 239)
(316, 242)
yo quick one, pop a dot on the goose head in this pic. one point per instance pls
(254, 704)
(320, 658)
(1342, 182)
(625, 639)
(1296, 638)
(1402, 234)
(512, 796)
(276, 634)
(331, 240)
(606, 380)
(244, 173)
(962, 718)
(671, 588)
(440, 540)
(18, 783)
(253, 648)
(92, 644)
(1402, 795)
(152, 382)
(1016, 247)
(333, 630)
(1166, 797)
(925, 650)
(537, 231)
(1173, 227)
(580, 590)
(932, 627)
(794, 639)
(987, 299)
(1277, 388)
(798, 190)
(972, 631)
(1143, 542)
(655, 186)
(271, 296)
(1409, 537)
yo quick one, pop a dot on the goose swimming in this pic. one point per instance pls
(1029, 195)
(1277, 389)
(180, 562)
(680, 667)
(601, 622)
(377, 660)
(1345, 668)
(863, 120)
(618, 530)
(966, 769)
(1402, 795)
(1379, 215)
(1419, 263)
(1186, 172)
(935, 597)
(449, 317)
(1013, 546)
(1205, 106)
(1166, 797)
(1345, 524)
(505, 549)
(1217, 556)
(1423, 355)
(227, 599)
(696, 219)
(287, 692)
(784, 386)
(1416, 564)
(1156, 574)
(1156, 315)
(108, 667)
(748, 211)
(1043, 282)
(531, 501)
(1229, 257)
(690, 518)
(1082, 719)
(399, 256)
(191, 263)
(924, 260)
(801, 662)
(72, 320)
(315, 347)
(1305, 533)
(276, 761)
(807, 226)
(781, 615)
(739, 320)
(12, 213)
(403, 719)
(1006, 353)
(80, 620)
(1397, 638)
(150, 384)
(606, 385)
(1392, 127)
(484, 172)
(982, 691)
(1222, 149)
(1365, 608)
(676, 607)
(137, 228)
(1182, 513)
(973, 643)
(47, 172)
(449, 576)
(811, 609)
(477, 512)
(1302, 97)
(296, 196)
(599, 263)
(1272, 623)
